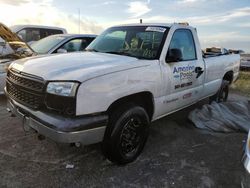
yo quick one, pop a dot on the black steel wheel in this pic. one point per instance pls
(126, 134)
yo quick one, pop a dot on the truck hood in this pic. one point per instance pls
(79, 66)
(7, 35)
(11, 46)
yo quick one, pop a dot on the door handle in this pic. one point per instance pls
(199, 71)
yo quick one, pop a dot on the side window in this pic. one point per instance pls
(55, 31)
(85, 43)
(72, 45)
(48, 32)
(44, 33)
(183, 40)
(29, 34)
(22, 34)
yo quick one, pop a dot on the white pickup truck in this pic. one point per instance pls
(129, 76)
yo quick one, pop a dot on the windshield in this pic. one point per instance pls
(143, 42)
(44, 45)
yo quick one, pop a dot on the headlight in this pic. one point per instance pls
(62, 88)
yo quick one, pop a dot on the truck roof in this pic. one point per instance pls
(16, 28)
(184, 24)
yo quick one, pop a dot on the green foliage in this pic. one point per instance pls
(242, 85)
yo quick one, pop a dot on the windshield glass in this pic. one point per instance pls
(143, 42)
(44, 45)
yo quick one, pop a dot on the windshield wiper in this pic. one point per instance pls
(126, 54)
(118, 53)
(91, 50)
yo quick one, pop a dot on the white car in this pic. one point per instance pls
(130, 76)
(245, 61)
(32, 33)
(62, 43)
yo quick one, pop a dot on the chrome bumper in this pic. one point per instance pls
(90, 129)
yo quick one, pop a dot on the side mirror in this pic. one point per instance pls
(61, 50)
(174, 55)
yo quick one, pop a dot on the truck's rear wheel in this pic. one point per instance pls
(126, 134)
(222, 94)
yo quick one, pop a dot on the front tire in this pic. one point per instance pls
(126, 134)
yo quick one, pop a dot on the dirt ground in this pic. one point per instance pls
(176, 155)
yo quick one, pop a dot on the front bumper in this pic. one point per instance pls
(85, 130)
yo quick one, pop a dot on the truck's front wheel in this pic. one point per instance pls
(126, 134)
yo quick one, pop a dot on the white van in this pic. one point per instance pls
(31, 33)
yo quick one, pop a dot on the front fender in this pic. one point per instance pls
(96, 95)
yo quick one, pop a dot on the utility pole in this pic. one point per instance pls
(79, 21)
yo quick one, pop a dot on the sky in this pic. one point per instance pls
(221, 23)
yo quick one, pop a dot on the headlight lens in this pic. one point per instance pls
(62, 88)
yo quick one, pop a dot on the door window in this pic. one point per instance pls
(85, 42)
(29, 34)
(74, 45)
(47, 32)
(183, 40)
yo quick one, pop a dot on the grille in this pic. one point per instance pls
(26, 98)
(22, 81)
(25, 90)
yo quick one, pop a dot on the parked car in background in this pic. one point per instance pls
(232, 51)
(62, 43)
(245, 61)
(31, 33)
(216, 51)
(11, 48)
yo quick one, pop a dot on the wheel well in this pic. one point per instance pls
(229, 76)
(143, 99)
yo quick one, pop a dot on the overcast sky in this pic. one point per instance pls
(219, 22)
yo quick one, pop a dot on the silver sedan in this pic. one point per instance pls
(62, 43)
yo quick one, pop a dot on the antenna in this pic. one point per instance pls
(79, 20)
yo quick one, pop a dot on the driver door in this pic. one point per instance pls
(186, 74)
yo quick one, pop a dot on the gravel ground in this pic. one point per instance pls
(176, 155)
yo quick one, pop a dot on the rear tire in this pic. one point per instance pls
(126, 134)
(222, 94)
